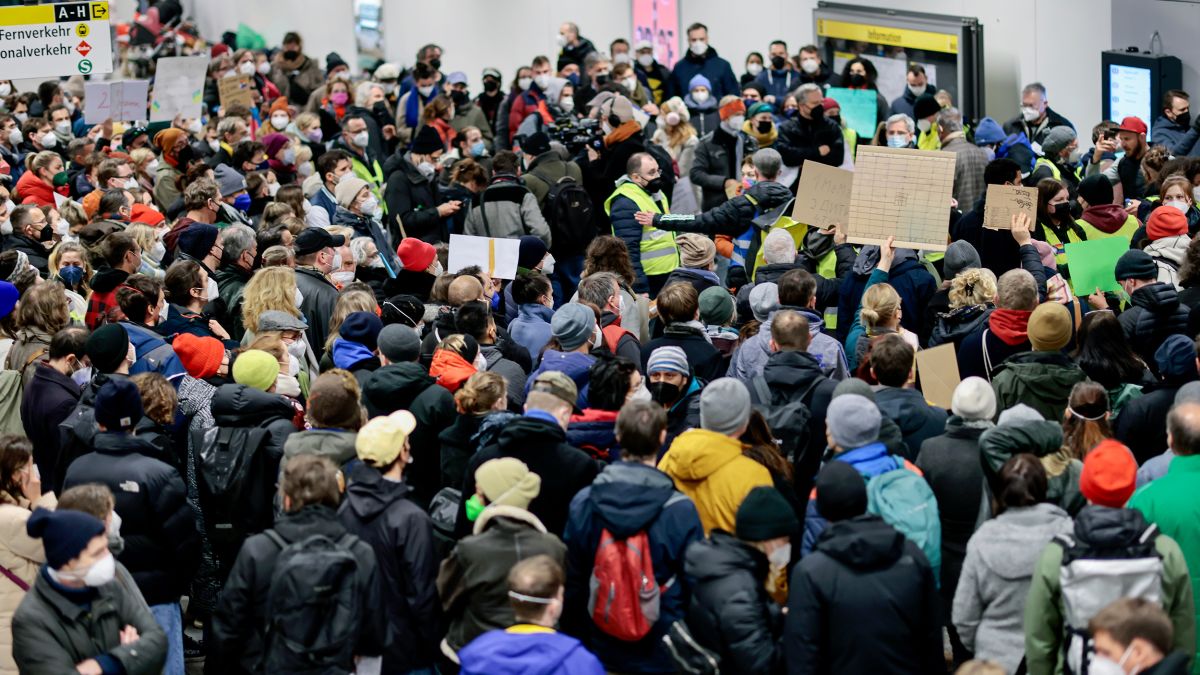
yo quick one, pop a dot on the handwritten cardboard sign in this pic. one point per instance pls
(122, 101)
(178, 87)
(497, 257)
(902, 193)
(823, 195)
(1005, 201)
(235, 91)
(937, 368)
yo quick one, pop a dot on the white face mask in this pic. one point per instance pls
(1181, 205)
(646, 60)
(700, 95)
(101, 572)
(159, 250)
(623, 57)
(810, 66)
(524, 83)
(152, 166)
(264, 67)
(630, 83)
(480, 362)
(426, 90)
(915, 90)
(1029, 114)
(15, 137)
(542, 81)
(49, 140)
(289, 156)
(62, 228)
(754, 68)
(566, 103)
(247, 68)
(280, 122)
(82, 376)
(5, 89)
(361, 139)
(296, 352)
(734, 124)
(214, 145)
(924, 125)
(342, 278)
(897, 141)
(369, 206)
(622, 307)
(299, 298)
(337, 261)
(273, 189)
(304, 171)
(195, 127)
(63, 128)
(548, 265)
(22, 117)
(131, 183)
(437, 268)
(699, 47)
(162, 313)
(781, 556)
(1102, 665)
(641, 393)
(427, 169)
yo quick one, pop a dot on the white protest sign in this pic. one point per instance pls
(55, 40)
(122, 101)
(178, 87)
(497, 257)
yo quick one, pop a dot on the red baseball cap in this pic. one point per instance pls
(1132, 124)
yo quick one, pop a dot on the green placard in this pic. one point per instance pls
(859, 109)
(1093, 264)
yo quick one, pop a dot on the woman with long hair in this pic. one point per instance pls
(1106, 357)
(356, 297)
(481, 395)
(607, 253)
(1055, 223)
(270, 289)
(676, 135)
(20, 554)
(185, 288)
(972, 298)
(41, 313)
(1085, 421)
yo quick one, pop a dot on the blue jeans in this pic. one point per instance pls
(170, 619)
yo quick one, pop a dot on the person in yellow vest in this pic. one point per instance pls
(1059, 160)
(925, 111)
(651, 250)
(1101, 217)
(1056, 225)
(355, 141)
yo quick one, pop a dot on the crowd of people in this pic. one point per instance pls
(252, 422)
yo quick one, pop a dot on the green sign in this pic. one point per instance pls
(859, 109)
(1093, 264)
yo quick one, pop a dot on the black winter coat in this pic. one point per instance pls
(789, 375)
(30, 247)
(705, 360)
(76, 432)
(542, 445)
(48, 399)
(239, 623)
(457, 448)
(320, 295)
(380, 513)
(713, 164)
(1142, 424)
(162, 544)
(411, 200)
(730, 611)
(800, 139)
(1154, 313)
(863, 579)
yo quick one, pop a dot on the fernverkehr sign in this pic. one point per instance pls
(55, 40)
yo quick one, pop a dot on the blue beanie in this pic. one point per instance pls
(988, 132)
(197, 240)
(64, 534)
(8, 298)
(1176, 358)
(699, 81)
(118, 404)
(363, 328)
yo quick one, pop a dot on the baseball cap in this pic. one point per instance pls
(558, 384)
(313, 239)
(1134, 124)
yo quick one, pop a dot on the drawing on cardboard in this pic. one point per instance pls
(901, 192)
(1005, 201)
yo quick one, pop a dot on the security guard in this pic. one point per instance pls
(651, 250)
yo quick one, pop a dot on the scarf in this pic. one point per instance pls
(626, 130)
(764, 140)
(1010, 325)
(414, 104)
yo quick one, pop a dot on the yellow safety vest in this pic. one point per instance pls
(929, 140)
(1054, 172)
(659, 254)
(850, 138)
(373, 175)
(1131, 225)
(1060, 251)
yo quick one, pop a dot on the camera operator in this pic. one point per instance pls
(621, 123)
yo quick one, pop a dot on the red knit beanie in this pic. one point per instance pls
(732, 108)
(201, 356)
(1109, 474)
(1166, 221)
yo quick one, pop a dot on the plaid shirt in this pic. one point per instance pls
(968, 171)
(102, 308)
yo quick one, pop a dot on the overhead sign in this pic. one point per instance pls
(888, 35)
(55, 40)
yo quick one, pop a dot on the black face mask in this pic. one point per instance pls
(817, 112)
(602, 79)
(291, 55)
(460, 98)
(664, 393)
(1062, 211)
(1076, 210)
(1184, 119)
(436, 64)
(763, 126)
(490, 85)
(777, 62)
(654, 186)
(858, 81)
(184, 157)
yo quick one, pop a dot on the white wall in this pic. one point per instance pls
(326, 25)
(1134, 21)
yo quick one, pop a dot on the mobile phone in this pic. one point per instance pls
(1109, 134)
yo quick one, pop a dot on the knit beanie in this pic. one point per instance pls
(1109, 474)
(1166, 222)
(960, 256)
(760, 107)
(764, 299)
(669, 359)
(853, 421)
(107, 347)
(399, 343)
(1050, 327)
(118, 404)
(530, 252)
(695, 250)
(732, 108)
(853, 385)
(333, 401)
(841, 492)
(197, 240)
(974, 399)
(988, 131)
(765, 514)
(1056, 139)
(201, 356)
(1135, 264)
(716, 306)
(699, 80)
(362, 328)
(280, 105)
(572, 325)
(925, 106)
(1176, 358)
(255, 369)
(415, 255)
(64, 533)
(1096, 190)
(724, 406)
(507, 481)
(404, 309)
(347, 190)
(427, 141)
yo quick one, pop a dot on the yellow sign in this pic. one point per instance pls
(82, 30)
(888, 35)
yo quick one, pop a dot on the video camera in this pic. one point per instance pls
(576, 135)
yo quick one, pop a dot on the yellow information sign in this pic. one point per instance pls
(55, 40)
(888, 35)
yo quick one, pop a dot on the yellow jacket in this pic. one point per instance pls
(711, 469)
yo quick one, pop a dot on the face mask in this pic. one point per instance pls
(425, 91)
(602, 78)
(195, 127)
(478, 148)
(342, 278)
(857, 80)
(699, 47)
(247, 69)
(101, 572)
(131, 183)
(566, 103)
(263, 68)
(280, 122)
(733, 125)
(991, 153)
(763, 126)
(490, 85)
(915, 90)
(548, 265)
(82, 376)
(427, 169)
(298, 298)
(778, 62)
(361, 139)
(664, 393)
(1074, 157)
(1102, 665)
(525, 83)
(152, 166)
(1179, 204)
(437, 268)
(623, 57)
(15, 137)
(810, 66)
(654, 186)
(1029, 114)
(71, 275)
(157, 253)
(924, 125)
(49, 140)
(542, 81)
(63, 128)
(781, 556)
(754, 68)
(273, 188)
(897, 141)
(60, 179)
(289, 156)
(296, 352)
(337, 261)
(307, 205)
(460, 99)
(339, 97)
(369, 206)
(700, 95)
(641, 393)
(435, 63)
(474, 507)
(5, 89)
(162, 313)
(214, 145)
(630, 83)
(242, 202)
(22, 117)
(672, 119)
(62, 228)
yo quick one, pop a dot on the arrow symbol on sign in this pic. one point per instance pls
(99, 11)
(84, 48)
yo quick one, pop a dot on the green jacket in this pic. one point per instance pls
(1044, 440)
(1173, 503)
(1040, 380)
(1044, 630)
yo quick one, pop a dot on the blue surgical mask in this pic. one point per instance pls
(242, 202)
(574, 79)
(897, 141)
(495, 301)
(478, 148)
(71, 275)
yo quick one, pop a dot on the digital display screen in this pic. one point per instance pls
(1129, 93)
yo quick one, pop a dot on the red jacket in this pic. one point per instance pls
(529, 102)
(450, 369)
(33, 190)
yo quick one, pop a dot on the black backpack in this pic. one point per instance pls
(231, 473)
(789, 421)
(503, 191)
(568, 211)
(314, 606)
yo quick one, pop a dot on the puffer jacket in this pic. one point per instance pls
(1154, 312)
(1044, 440)
(508, 211)
(595, 432)
(378, 511)
(730, 611)
(710, 468)
(989, 606)
(918, 420)
(154, 355)
(21, 555)
(954, 326)
(1169, 253)
(1041, 380)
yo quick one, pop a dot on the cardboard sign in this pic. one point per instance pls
(1005, 201)
(119, 101)
(497, 257)
(902, 193)
(823, 195)
(937, 368)
(859, 107)
(1093, 264)
(178, 87)
(236, 91)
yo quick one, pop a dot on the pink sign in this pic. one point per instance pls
(658, 22)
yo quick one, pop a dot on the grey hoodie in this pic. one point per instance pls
(989, 605)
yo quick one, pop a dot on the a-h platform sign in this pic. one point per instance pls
(49, 40)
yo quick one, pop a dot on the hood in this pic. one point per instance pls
(308, 521)
(1049, 372)
(577, 365)
(696, 454)
(396, 385)
(791, 370)
(961, 322)
(524, 433)
(450, 369)
(628, 497)
(1039, 438)
(120, 443)
(108, 279)
(720, 555)
(1105, 527)
(1015, 538)
(769, 195)
(906, 406)
(347, 353)
(237, 405)
(398, 161)
(516, 652)
(532, 312)
(1170, 248)
(335, 444)
(1158, 298)
(369, 494)
(1108, 218)
(770, 273)
(863, 543)
(491, 354)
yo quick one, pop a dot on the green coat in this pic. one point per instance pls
(1173, 503)
(1040, 380)
(1044, 441)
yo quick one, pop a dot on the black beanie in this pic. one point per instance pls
(107, 347)
(841, 492)
(925, 106)
(1096, 190)
(64, 534)
(765, 514)
(1135, 264)
(427, 141)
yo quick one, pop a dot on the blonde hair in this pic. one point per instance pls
(880, 305)
(679, 134)
(72, 247)
(349, 302)
(141, 157)
(271, 344)
(306, 119)
(145, 236)
(271, 288)
(73, 213)
(973, 287)
(480, 392)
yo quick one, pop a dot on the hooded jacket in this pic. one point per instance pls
(526, 649)
(1041, 380)
(595, 432)
(336, 444)
(1169, 253)
(708, 64)
(450, 369)
(511, 214)
(162, 544)
(864, 578)
(627, 498)
(919, 421)
(1042, 439)
(750, 359)
(378, 511)
(788, 376)
(514, 375)
(704, 359)
(577, 366)
(989, 606)
(531, 328)
(154, 355)
(1154, 312)
(710, 468)
(730, 611)
(1107, 219)
(955, 325)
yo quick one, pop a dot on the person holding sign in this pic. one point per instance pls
(1154, 312)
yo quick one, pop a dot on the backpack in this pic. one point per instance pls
(568, 210)
(788, 422)
(905, 501)
(12, 388)
(314, 605)
(690, 656)
(1090, 580)
(623, 599)
(230, 475)
(503, 191)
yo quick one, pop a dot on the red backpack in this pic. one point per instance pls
(624, 598)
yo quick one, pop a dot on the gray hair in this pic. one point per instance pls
(358, 247)
(1035, 87)
(778, 247)
(597, 288)
(949, 120)
(591, 60)
(901, 117)
(236, 240)
(363, 91)
(229, 125)
(805, 89)
(767, 162)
